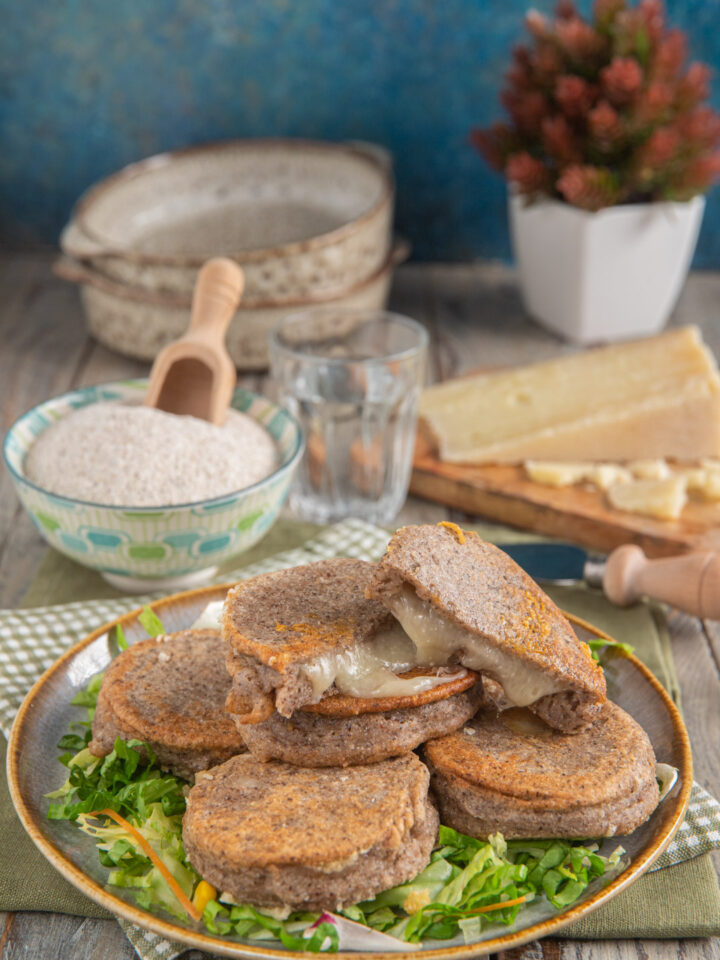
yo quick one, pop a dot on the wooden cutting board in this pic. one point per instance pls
(505, 494)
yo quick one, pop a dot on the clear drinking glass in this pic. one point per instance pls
(352, 379)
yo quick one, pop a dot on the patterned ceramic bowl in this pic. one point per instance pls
(300, 216)
(159, 548)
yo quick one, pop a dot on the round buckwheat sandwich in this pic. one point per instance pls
(274, 834)
(169, 691)
(510, 773)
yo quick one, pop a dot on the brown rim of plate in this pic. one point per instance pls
(159, 160)
(204, 941)
(341, 705)
(75, 271)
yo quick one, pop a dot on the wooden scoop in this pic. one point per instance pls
(194, 375)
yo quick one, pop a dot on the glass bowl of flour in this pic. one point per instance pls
(151, 500)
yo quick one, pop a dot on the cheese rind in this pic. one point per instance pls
(648, 399)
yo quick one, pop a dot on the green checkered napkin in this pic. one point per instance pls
(31, 640)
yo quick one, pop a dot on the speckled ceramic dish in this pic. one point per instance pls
(154, 547)
(139, 323)
(33, 771)
(300, 216)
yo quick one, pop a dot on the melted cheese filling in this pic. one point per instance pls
(423, 638)
(437, 639)
(370, 669)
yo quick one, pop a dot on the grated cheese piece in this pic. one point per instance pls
(663, 499)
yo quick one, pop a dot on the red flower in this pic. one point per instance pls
(652, 104)
(526, 109)
(606, 110)
(702, 173)
(605, 125)
(695, 85)
(574, 95)
(565, 10)
(670, 54)
(653, 15)
(527, 173)
(546, 62)
(660, 149)
(622, 80)
(588, 187)
(559, 140)
(519, 78)
(701, 127)
(578, 39)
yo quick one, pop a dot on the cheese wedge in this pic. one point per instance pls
(648, 399)
(663, 499)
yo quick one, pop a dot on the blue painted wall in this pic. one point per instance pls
(89, 85)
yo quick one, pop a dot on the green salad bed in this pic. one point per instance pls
(134, 810)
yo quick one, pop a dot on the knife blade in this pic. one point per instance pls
(689, 582)
(555, 562)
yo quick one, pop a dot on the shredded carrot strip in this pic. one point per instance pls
(185, 901)
(499, 906)
(454, 529)
(591, 628)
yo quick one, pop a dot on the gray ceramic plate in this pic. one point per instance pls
(33, 771)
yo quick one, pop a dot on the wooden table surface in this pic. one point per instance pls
(474, 318)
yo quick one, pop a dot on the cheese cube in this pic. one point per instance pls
(649, 469)
(556, 474)
(663, 499)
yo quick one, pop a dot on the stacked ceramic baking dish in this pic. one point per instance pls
(309, 222)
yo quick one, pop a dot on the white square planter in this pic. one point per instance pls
(610, 275)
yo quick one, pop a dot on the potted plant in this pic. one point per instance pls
(608, 152)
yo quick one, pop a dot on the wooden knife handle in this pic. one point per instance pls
(690, 582)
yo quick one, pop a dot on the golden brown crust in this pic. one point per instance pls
(341, 705)
(290, 616)
(169, 692)
(519, 757)
(275, 814)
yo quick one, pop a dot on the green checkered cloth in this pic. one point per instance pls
(32, 639)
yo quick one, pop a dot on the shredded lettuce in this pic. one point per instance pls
(468, 885)
(152, 623)
(600, 644)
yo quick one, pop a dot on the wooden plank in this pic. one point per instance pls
(614, 950)
(699, 678)
(44, 345)
(712, 631)
(40, 936)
